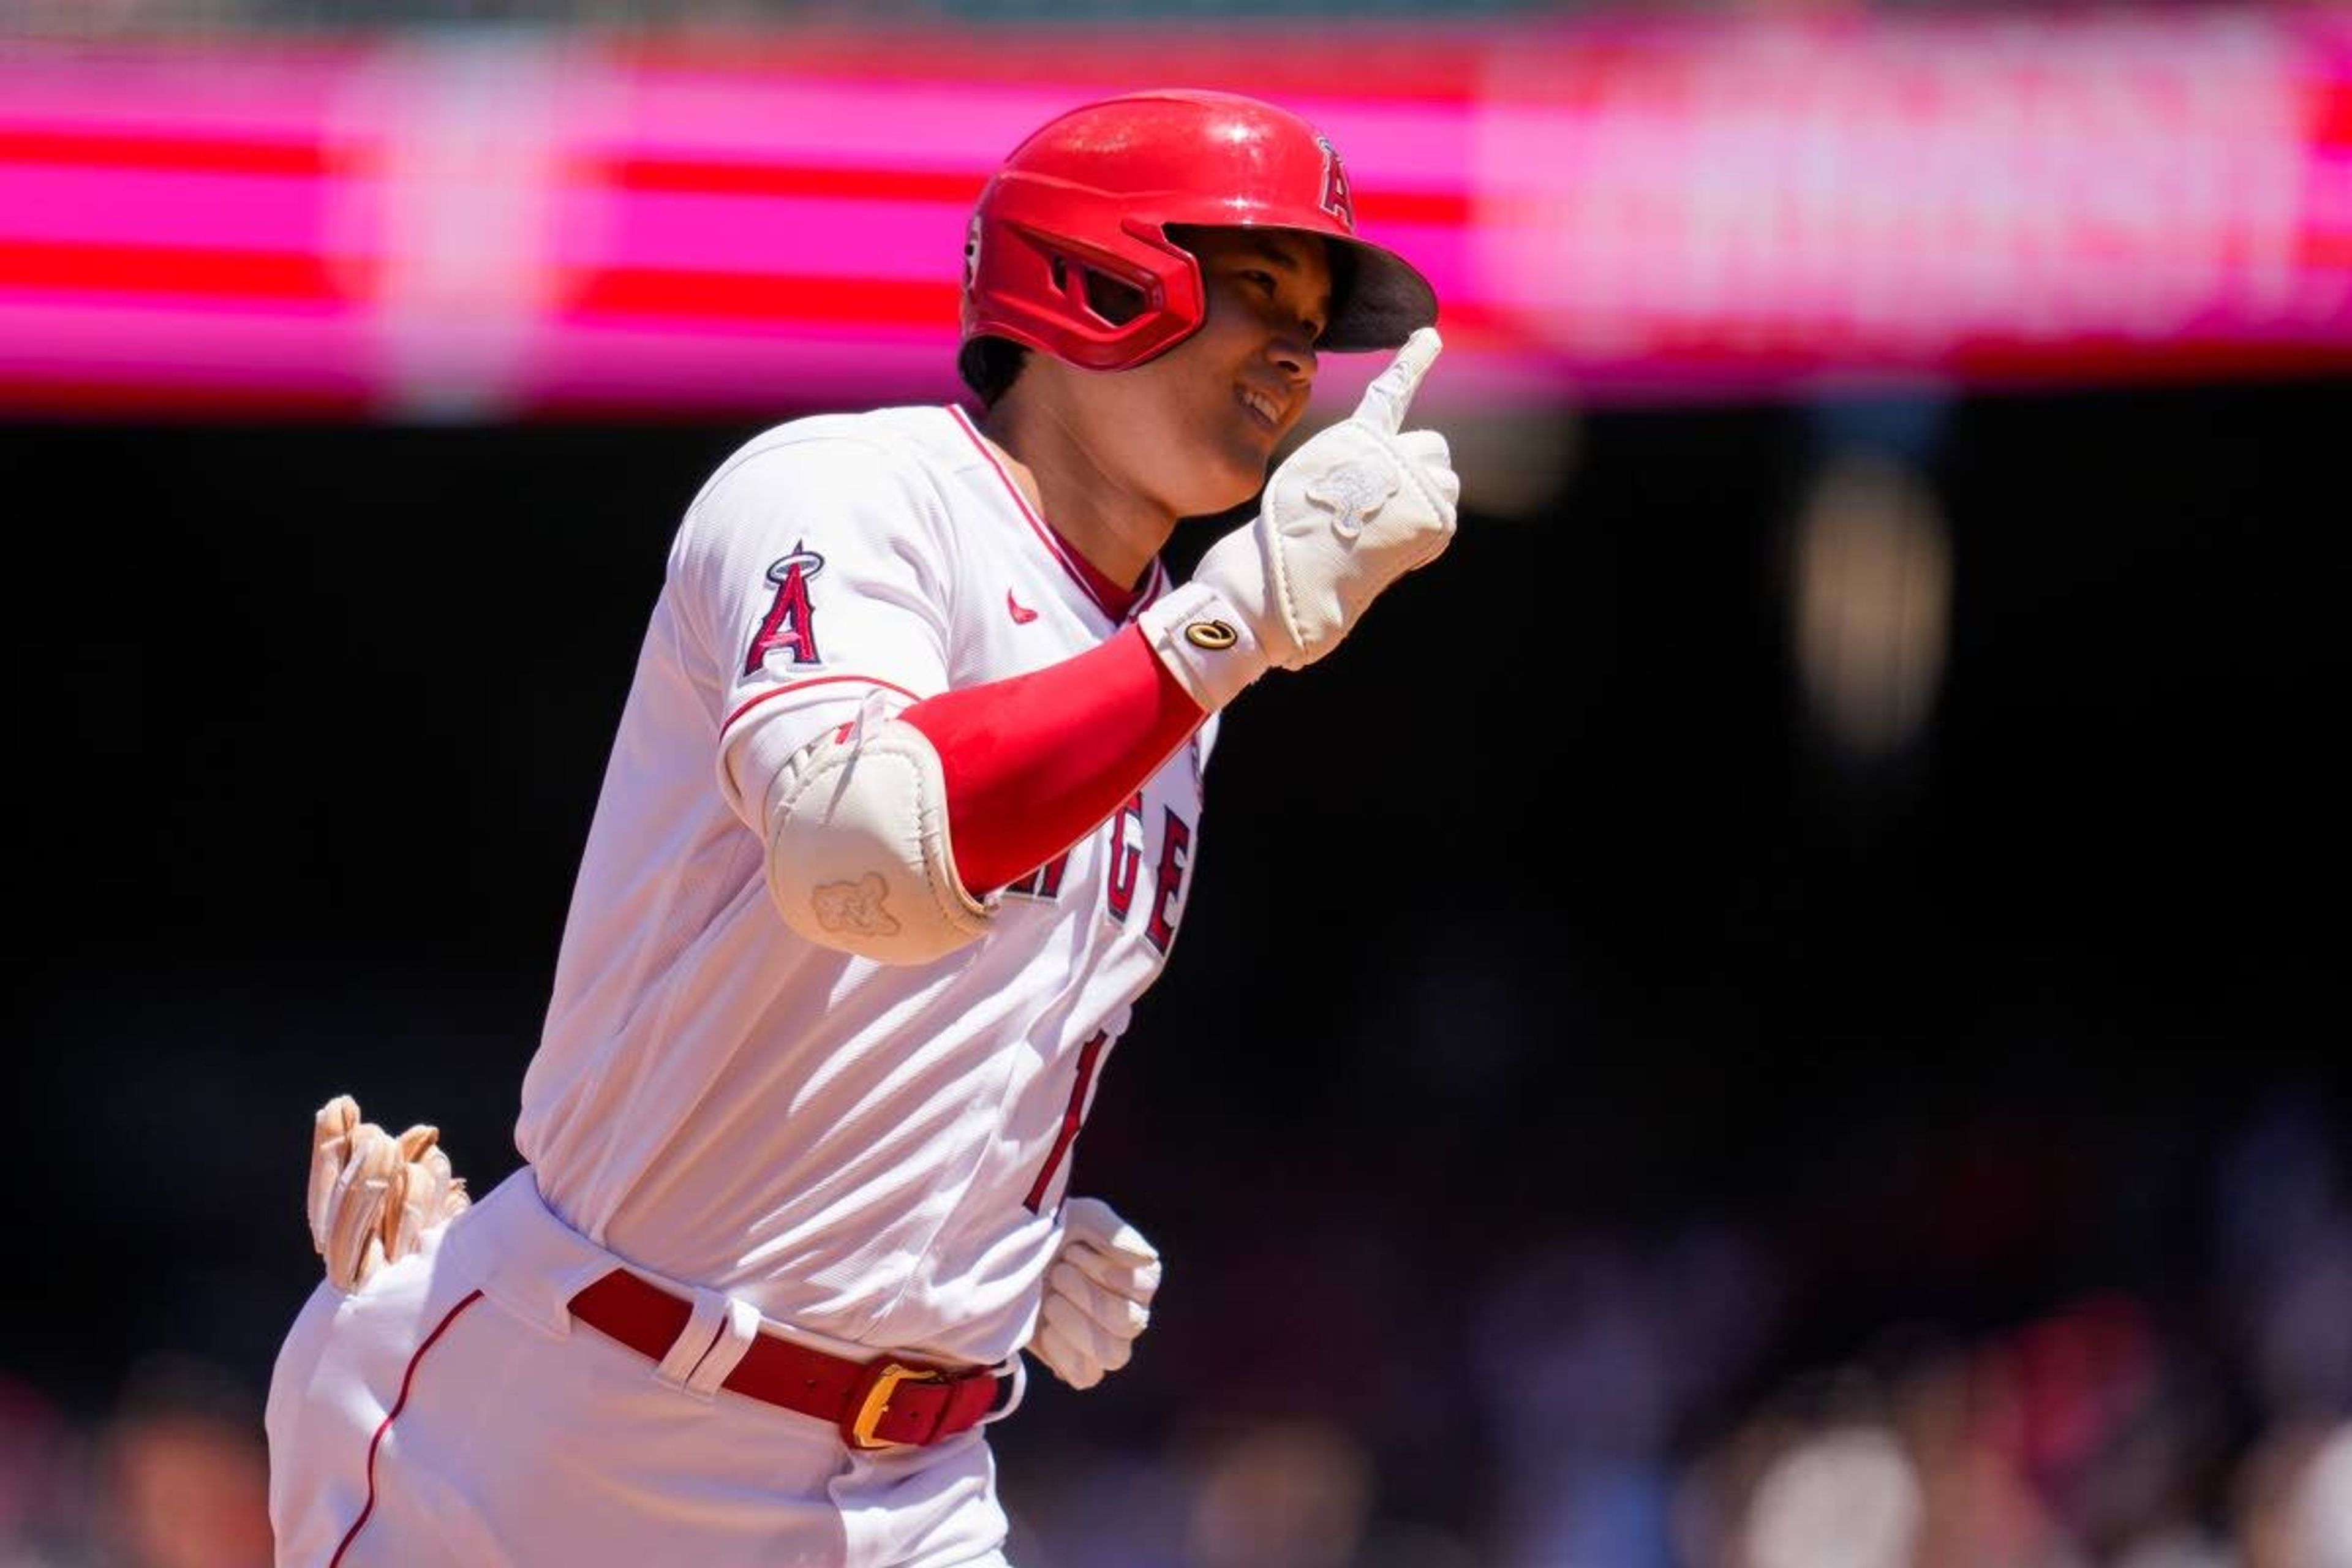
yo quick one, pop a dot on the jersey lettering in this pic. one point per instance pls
(790, 620)
(1126, 857)
(1046, 881)
(1175, 849)
(1089, 1058)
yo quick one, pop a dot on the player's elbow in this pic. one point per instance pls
(858, 857)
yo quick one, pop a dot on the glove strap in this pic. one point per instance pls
(1205, 642)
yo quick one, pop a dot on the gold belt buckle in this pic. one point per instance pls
(887, 1380)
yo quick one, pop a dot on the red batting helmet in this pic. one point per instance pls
(1096, 191)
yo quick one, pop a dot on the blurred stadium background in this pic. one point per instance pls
(1877, 1099)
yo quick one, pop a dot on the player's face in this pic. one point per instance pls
(1204, 418)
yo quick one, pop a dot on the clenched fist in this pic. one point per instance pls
(1099, 1294)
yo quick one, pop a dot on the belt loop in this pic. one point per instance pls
(1019, 1375)
(736, 1330)
(694, 1341)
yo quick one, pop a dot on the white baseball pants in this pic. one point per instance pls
(451, 1411)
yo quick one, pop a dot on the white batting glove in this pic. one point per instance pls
(375, 1197)
(1097, 1294)
(1357, 506)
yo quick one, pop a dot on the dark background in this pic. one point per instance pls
(1538, 927)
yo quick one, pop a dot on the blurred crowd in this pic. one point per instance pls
(175, 1475)
(1665, 1401)
(2069, 1444)
(1592, 1400)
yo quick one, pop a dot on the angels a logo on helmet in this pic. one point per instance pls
(1335, 199)
(790, 620)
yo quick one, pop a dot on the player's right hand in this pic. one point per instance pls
(373, 1197)
(1355, 507)
(1098, 1293)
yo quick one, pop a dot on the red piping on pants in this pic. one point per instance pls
(391, 1415)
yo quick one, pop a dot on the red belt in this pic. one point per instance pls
(875, 1404)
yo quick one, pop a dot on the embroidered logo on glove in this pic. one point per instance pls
(1351, 493)
(855, 907)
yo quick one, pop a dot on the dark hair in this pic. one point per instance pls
(989, 366)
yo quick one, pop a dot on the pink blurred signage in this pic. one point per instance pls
(446, 226)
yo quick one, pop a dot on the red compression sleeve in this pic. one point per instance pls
(1034, 763)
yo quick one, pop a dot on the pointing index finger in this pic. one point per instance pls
(1391, 393)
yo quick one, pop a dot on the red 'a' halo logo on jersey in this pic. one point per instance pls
(1335, 199)
(790, 621)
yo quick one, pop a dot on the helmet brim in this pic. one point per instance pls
(1386, 299)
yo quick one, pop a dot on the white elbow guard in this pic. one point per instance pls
(857, 846)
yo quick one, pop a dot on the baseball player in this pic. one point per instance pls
(899, 822)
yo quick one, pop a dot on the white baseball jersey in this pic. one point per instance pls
(868, 1153)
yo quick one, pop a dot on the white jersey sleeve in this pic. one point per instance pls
(815, 572)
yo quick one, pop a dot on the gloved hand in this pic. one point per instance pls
(373, 1196)
(1355, 507)
(1099, 1294)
